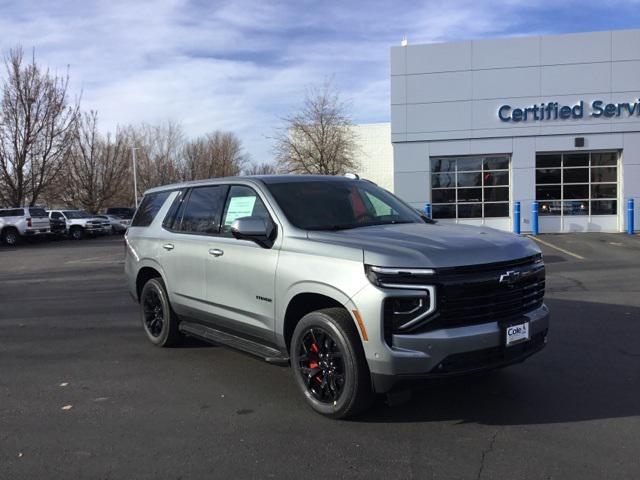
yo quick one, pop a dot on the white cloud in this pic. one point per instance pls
(239, 65)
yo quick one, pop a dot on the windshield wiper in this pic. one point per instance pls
(349, 226)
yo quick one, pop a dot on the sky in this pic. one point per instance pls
(243, 66)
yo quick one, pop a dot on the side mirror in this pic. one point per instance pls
(426, 219)
(254, 229)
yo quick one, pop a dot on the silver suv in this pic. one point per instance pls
(336, 277)
(18, 223)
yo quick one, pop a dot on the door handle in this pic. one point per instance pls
(216, 252)
(168, 246)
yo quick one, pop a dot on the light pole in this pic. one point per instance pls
(135, 176)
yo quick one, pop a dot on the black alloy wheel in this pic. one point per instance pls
(159, 321)
(329, 364)
(321, 364)
(153, 312)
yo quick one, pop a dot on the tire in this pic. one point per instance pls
(334, 386)
(154, 307)
(76, 233)
(11, 237)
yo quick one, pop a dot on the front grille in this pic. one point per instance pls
(474, 296)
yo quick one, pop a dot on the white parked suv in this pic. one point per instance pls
(78, 223)
(17, 223)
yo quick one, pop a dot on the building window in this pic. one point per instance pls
(470, 187)
(584, 183)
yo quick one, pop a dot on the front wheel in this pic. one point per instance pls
(76, 233)
(328, 364)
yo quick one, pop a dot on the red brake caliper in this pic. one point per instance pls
(314, 364)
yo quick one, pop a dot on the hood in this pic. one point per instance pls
(430, 245)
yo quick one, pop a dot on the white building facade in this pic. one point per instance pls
(479, 125)
(374, 153)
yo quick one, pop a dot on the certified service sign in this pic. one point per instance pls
(555, 111)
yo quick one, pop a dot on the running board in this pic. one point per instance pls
(210, 334)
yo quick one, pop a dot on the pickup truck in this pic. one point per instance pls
(22, 222)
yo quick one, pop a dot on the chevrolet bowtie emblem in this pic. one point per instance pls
(509, 277)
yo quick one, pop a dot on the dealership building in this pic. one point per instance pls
(479, 125)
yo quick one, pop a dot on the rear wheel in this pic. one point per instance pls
(11, 237)
(329, 365)
(159, 321)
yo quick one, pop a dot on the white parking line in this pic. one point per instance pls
(550, 245)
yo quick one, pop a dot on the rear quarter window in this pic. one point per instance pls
(149, 208)
(12, 212)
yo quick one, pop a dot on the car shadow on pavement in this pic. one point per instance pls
(589, 370)
(192, 342)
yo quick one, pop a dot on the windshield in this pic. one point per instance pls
(37, 212)
(76, 214)
(126, 213)
(340, 204)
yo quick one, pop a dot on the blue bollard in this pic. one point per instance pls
(516, 218)
(630, 212)
(427, 209)
(534, 218)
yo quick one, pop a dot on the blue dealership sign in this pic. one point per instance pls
(555, 111)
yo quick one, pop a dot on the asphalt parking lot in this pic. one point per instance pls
(83, 394)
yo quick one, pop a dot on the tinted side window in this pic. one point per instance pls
(148, 209)
(12, 212)
(203, 210)
(242, 202)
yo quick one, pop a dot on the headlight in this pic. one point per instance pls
(401, 314)
(411, 308)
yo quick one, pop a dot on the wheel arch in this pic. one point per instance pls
(146, 272)
(308, 297)
(4, 228)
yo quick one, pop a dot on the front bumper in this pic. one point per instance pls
(97, 230)
(443, 352)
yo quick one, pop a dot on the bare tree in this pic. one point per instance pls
(36, 129)
(261, 169)
(216, 154)
(98, 168)
(158, 153)
(319, 139)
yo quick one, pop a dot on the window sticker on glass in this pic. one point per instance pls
(239, 207)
